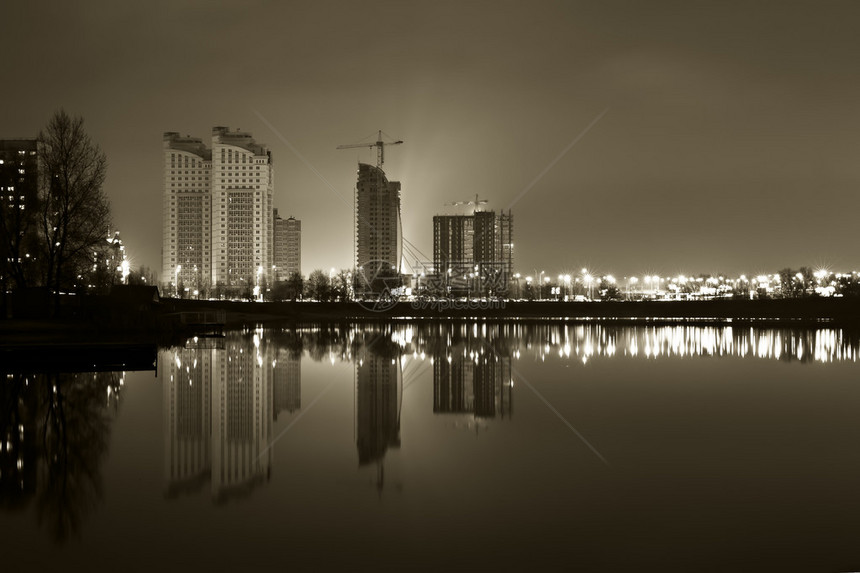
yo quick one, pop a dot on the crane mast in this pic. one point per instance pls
(379, 144)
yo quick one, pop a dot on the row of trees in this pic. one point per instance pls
(55, 215)
(788, 283)
(319, 285)
(805, 282)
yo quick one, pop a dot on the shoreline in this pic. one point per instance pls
(794, 312)
(71, 335)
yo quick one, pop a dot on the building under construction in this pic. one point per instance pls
(473, 254)
(378, 232)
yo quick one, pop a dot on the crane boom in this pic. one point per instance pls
(378, 144)
(474, 203)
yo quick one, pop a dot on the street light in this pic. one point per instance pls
(176, 279)
(540, 285)
(257, 293)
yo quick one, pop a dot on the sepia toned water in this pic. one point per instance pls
(441, 446)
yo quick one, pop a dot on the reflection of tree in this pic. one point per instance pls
(75, 439)
(58, 423)
(18, 457)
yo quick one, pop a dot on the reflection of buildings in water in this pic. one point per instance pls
(287, 390)
(378, 380)
(587, 341)
(187, 392)
(242, 419)
(476, 384)
(220, 406)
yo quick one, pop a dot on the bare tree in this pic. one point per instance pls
(318, 286)
(75, 210)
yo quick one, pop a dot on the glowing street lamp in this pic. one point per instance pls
(257, 292)
(588, 279)
(631, 281)
(176, 279)
(540, 285)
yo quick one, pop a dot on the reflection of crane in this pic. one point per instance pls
(378, 144)
(476, 203)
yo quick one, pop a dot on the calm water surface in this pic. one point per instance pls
(452, 446)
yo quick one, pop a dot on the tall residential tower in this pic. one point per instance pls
(217, 212)
(186, 216)
(287, 244)
(241, 209)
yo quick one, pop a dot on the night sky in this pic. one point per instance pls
(717, 137)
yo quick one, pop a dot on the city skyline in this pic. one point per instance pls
(629, 139)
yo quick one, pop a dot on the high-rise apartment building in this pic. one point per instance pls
(186, 215)
(378, 231)
(294, 245)
(242, 184)
(19, 183)
(474, 253)
(217, 212)
(287, 239)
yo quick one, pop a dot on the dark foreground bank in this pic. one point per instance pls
(106, 322)
(811, 311)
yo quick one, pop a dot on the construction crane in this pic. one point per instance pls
(476, 203)
(378, 144)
